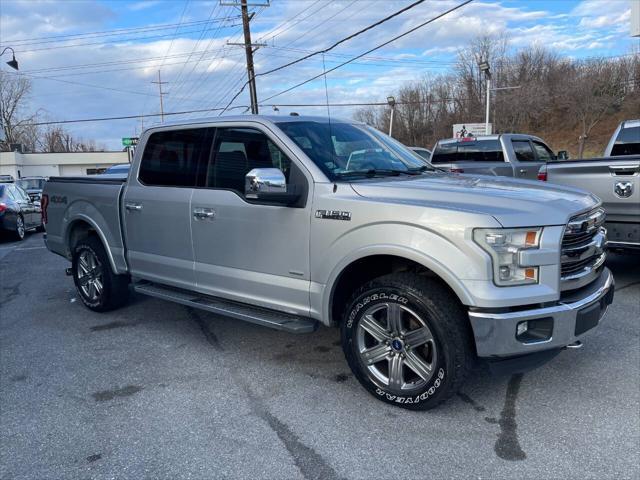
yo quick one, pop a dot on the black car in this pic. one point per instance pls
(18, 213)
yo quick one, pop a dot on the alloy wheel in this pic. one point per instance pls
(396, 346)
(90, 278)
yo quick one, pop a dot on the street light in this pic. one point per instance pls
(13, 63)
(484, 67)
(392, 103)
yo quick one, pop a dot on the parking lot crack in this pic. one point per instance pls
(311, 464)
(211, 337)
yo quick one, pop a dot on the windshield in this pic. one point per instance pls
(346, 150)
(31, 183)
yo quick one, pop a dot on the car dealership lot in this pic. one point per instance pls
(159, 390)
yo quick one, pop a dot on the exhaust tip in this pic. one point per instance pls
(575, 345)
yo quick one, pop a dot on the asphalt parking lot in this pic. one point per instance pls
(156, 390)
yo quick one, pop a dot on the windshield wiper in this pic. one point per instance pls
(375, 172)
(425, 168)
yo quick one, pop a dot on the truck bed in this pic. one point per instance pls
(86, 202)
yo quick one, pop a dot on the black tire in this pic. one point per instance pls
(422, 302)
(114, 290)
(21, 229)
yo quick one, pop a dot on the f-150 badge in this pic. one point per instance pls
(333, 215)
(623, 189)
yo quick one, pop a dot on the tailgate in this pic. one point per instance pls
(615, 181)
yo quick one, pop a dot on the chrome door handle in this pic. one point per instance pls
(522, 171)
(203, 213)
(133, 206)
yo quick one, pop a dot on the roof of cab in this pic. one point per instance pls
(265, 119)
(513, 136)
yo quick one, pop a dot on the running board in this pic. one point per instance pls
(260, 316)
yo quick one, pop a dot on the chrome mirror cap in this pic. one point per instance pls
(264, 180)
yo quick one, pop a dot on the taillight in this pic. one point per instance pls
(3, 207)
(542, 173)
(456, 170)
(44, 203)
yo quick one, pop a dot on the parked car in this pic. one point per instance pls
(119, 169)
(614, 179)
(288, 222)
(506, 155)
(33, 186)
(625, 140)
(6, 179)
(423, 152)
(18, 213)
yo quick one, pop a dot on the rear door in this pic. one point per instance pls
(527, 163)
(156, 206)
(27, 207)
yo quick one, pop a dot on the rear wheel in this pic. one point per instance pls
(407, 340)
(98, 287)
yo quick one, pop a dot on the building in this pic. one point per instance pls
(635, 18)
(58, 164)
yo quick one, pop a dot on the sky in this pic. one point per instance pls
(97, 58)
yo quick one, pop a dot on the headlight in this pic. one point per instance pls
(504, 246)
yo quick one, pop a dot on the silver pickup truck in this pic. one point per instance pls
(506, 155)
(615, 178)
(292, 222)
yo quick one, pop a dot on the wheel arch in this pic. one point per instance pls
(82, 226)
(372, 263)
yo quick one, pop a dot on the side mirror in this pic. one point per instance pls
(563, 155)
(269, 185)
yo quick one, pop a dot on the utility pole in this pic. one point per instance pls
(160, 83)
(484, 67)
(249, 49)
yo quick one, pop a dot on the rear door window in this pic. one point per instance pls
(172, 158)
(523, 151)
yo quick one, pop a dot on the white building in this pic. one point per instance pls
(58, 164)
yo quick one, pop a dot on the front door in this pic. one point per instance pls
(156, 206)
(245, 251)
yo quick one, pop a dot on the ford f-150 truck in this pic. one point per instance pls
(292, 222)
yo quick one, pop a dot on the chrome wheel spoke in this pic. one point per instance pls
(394, 317)
(396, 378)
(372, 327)
(418, 337)
(97, 284)
(418, 365)
(376, 354)
(84, 266)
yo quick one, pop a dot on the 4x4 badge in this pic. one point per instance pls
(333, 215)
(623, 189)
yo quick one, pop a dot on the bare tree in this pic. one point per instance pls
(16, 122)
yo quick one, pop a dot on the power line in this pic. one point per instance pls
(433, 19)
(334, 45)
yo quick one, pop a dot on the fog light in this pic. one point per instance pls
(534, 331)
(505, 273)
(522, 328)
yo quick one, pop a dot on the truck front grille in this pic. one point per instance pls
(583, 249)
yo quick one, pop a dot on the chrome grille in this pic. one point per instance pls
(583, 249)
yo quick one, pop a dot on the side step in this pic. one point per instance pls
(260, 316)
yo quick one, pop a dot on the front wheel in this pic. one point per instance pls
(407, 340)
(98, 287)
(20, 230)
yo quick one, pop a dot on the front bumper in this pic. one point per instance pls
(571, 317)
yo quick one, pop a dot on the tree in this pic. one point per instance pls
(16, 122)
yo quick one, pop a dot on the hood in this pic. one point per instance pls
(513, 203)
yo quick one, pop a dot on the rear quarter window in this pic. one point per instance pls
(628, 142)
(469, 151)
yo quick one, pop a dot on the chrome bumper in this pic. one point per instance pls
(495, 333)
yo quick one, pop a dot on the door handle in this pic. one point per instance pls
(522, 171)
(203, 213)
(133, 206)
